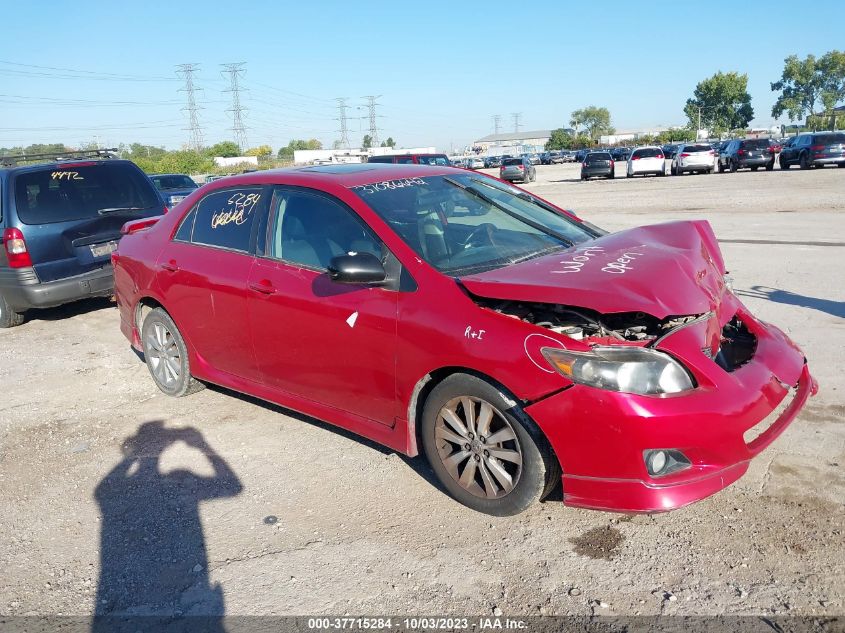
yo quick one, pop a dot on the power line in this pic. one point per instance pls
(497, 123)
(238, 129)
(371, 106)
(344, 135)
(187, 71)
(516, 117)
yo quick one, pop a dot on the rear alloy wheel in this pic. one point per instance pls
(167, 355)
(804, 161)
(8, 317)
(484, 449)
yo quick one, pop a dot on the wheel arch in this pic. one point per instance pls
(429, 381)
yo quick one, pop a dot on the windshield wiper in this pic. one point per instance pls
(514, 215)
(109, 210)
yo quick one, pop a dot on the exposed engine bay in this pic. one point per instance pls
(582, 323)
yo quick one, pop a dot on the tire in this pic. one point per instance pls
(167, 355)
(783, 164)
(8, 317)
(770, 165)
(612, 175)
(733, 167)
(721, 168)
(628, 174)
(804, 161)
(754, 168)
(673, 170)
(535, 474)
(841, 165)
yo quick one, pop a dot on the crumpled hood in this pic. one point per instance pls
(669, 269)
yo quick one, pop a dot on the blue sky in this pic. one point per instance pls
(443, 69)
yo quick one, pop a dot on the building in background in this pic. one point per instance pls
(514, 143)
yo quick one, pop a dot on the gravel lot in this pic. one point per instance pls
(260, 511)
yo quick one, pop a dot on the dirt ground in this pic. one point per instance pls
(256, 510)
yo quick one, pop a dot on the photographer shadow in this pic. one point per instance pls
(153, 559)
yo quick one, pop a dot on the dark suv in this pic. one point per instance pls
(751, 153)
(814, 150)
(60, 222)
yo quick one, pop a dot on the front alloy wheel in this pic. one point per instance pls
(487, 453)
(478, 447)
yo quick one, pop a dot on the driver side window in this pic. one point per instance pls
(309, 229)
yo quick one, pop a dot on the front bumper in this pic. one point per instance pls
(599, 436)
(25, 291)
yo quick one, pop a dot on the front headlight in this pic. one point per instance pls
(626, 369)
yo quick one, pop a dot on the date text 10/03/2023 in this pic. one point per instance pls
(416, 623)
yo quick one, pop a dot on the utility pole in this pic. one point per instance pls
(195, 140)
(516, 116)
(344, 135)
(497, 124)
(238, 129)
(371, 105)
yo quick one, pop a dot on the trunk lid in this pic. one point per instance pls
(663, 270)
(70, 214)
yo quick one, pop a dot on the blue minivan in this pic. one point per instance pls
(59, 223)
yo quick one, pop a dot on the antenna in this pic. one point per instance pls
(371, 105)
(238, 129)
(195, 140)
(516, 116)
(344, 135)
(497, 123)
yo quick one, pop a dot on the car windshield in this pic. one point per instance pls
(177, 181)
(468, 223)
(756, 143)
(648, 152)
(66, 192)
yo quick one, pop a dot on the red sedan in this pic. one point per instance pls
(439, 310)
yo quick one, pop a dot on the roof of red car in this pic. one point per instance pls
(350, 175)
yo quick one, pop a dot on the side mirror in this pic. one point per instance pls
(360, 268)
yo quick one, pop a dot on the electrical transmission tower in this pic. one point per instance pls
(344, 133)
(516, 117)
(238, 129)
(497, 123)
(187, 71)
(371, 106)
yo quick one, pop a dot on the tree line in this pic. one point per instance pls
(721, 104)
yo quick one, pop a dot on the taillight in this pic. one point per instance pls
(134, 226)
(16, 253)
(165, 210)
(712, 153)
(521, 166)
(684, 155)
(740, 152)
(635, 158)
(611, 162)
(817, 148)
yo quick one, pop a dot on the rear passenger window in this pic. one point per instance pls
(224, 218)
(186, 228)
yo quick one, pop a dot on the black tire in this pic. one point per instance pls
(721, 168)
(804, 161)
(612, 174)
(770, 165)
(8, 317)
(783, 164)
(539, 472)
(840, 165)
(733, 166)
(755, 168)
(184, 383)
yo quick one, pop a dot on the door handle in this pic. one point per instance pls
(264, 287)
(170, 266)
